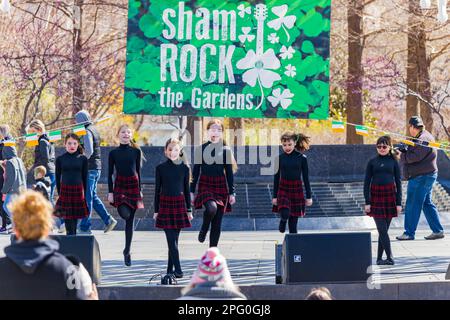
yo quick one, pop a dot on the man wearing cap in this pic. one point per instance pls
(420, 169)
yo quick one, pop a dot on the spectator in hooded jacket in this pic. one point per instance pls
(33, 269)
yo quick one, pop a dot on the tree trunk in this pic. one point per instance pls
(355, 72)
(412, 104)
(423, 77)
(77, 58)
(195, 128)
(237, 128)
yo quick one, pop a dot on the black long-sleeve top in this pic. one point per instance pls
(206, 163)
(172, 179)
(383, 170)
(293, 166)
(126, 160)
(71, 169)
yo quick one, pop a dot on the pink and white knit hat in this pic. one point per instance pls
(212, 267)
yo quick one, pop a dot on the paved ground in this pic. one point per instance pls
(251, 257)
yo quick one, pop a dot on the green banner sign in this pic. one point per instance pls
(228, 58)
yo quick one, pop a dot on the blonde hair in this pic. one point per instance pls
(133, 143)
(38, 125)
(32, 215)
(40, 170)
(319, 294)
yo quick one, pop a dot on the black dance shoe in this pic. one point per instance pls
(127, 259)
(202, 235)
(178, 275)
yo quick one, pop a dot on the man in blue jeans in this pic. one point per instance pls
(91, 144)
(420, 168)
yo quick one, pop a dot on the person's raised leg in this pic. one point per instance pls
(208, 215)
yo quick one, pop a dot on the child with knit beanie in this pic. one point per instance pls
(212, 280)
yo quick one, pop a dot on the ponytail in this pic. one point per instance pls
(302, 142)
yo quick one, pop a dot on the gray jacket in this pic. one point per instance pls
(419, 160)
(15, 174)
(88, 141)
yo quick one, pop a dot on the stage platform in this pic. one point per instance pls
(419, 272)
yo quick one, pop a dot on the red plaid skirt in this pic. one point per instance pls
(172, 213)
(212, 188)
(71, 203)
(290, 195)
(382, 201)
(126, 191)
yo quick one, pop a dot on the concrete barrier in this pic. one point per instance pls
(439, 290)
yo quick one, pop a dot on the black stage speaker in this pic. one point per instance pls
(86, 249)
(326, 257)
(278, 253)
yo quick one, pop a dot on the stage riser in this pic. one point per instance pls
(351, 291)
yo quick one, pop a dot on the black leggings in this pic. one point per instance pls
(213, 216)
(71, 226)
(384, 243)
(5, 218)
(291, 220)
(172, 236)
(127, 214)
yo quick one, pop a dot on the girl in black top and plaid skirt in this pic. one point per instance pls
(383, 194)
(214, 167)
(126, 192)
(172, 202)
(292, 169)
(71, 183)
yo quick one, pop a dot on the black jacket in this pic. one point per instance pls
(34, 270)
(420, 160)
(1, 158)
(44, 154)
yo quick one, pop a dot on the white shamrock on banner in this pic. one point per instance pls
(273, 38)
(291, 71)
(284, 98)
(243, 10)
(259, 70)
(287, 53)
(246, 36)
(282, 21)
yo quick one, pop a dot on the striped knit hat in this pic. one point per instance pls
(212, 267)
